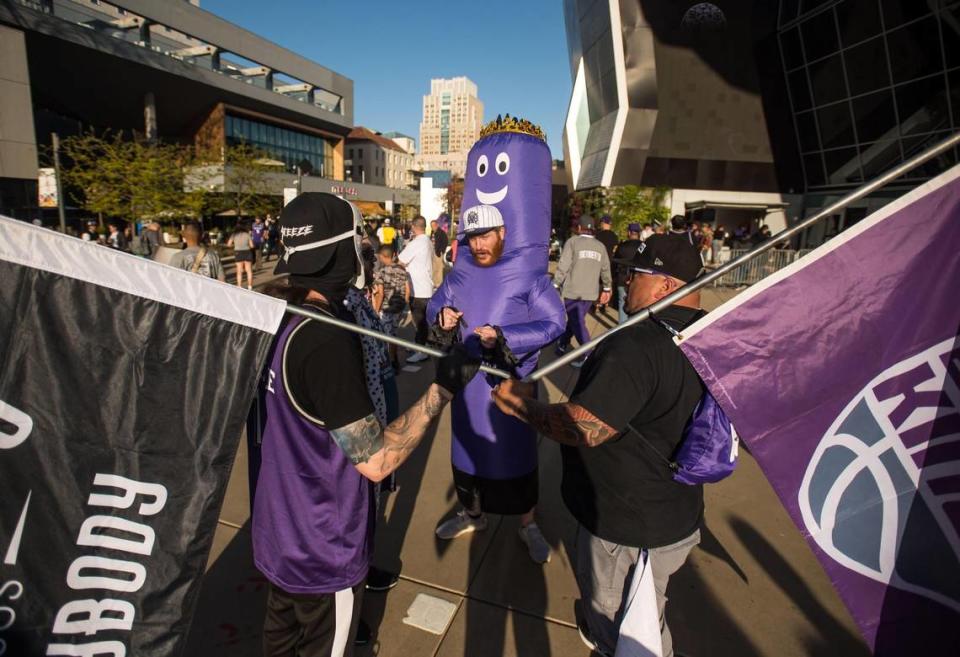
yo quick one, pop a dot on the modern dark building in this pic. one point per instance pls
(170, 70)
(759, 110)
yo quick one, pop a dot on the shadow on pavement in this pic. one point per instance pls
(834, 638)
(232, 603)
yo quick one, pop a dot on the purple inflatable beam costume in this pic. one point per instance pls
(497, 454)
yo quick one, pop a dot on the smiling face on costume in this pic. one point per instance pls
(511, 171)
(486, 248)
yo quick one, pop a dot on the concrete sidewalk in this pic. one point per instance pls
(751, 588)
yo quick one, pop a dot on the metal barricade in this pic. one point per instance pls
(758, 268)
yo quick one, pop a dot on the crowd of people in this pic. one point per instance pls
(623, 497)
(346, 435)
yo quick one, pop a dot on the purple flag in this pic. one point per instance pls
(842, 375)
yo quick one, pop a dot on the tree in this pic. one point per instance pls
(247, 175)
(632, 204)
(454, 198)
(625, 205)
(130, 179)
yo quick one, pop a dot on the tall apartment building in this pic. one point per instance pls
(452, 118)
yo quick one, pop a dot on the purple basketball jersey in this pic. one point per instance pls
(312, 513)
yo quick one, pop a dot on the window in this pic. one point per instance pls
(867, 66)
(820, 36)
(917, 48)
(826, 76)
(859, 20)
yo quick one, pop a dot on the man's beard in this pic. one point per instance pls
(494, 255)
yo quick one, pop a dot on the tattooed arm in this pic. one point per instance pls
(375, 451)
(567, 423)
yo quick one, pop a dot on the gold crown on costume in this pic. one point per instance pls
(512, 124)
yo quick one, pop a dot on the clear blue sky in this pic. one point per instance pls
(515, 51)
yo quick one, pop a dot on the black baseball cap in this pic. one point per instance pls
(311, 227)
(672, 255)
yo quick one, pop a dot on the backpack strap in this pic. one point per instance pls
(673, 466)
(197, 261)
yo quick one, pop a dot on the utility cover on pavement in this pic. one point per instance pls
(430, 613)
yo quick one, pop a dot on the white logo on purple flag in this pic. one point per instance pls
(881, 495)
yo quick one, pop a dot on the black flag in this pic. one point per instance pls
(124, 385)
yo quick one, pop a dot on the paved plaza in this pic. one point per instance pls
(753, 587)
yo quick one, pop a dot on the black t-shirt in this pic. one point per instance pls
(609, 239)
(325, 375)
(625, 251)
(622, 491)
(440, 242)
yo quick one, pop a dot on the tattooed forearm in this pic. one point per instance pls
(360, 440)
(406, 432)
(568, 424)
(377, 451)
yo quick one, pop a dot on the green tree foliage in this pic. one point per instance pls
(632, 204)
(247, 190)
(625, 205)
(131, 179)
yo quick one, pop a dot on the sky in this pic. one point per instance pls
(515, 52)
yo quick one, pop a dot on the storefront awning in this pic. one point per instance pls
(731, 205)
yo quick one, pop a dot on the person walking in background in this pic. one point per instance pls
(197, 257)
(272, 238)
(116, 239)
(90, 234)
(719, 237)
(624, 252)
(391, 295)
(609, 240)
(583, 266)
(242, 244)
(151, 237)
(706, 242)
(440, 242)
(417, 258)
(646, 232)
(386, 233)
(256, 236)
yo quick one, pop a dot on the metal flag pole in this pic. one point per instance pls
(706, 279)
(430, 351)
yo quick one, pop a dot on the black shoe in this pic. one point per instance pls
(363, 634)
(381, 580)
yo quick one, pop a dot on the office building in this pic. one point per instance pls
(758, 112)
(173, 71)
(452, 118)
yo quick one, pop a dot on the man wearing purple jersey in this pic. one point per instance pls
(321, 445)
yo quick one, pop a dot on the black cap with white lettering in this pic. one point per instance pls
(672, 255)
(311, 226)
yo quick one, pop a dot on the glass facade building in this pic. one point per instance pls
(871, 83)
(288, 146)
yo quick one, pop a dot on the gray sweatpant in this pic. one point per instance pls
(604, 571)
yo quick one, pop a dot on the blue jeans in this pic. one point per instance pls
(622, 294)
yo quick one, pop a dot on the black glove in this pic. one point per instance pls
(500, 354)
(456, 369)
(441, 339)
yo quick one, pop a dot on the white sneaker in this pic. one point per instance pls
(461, 524)
(536, 544)
(417, 357)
